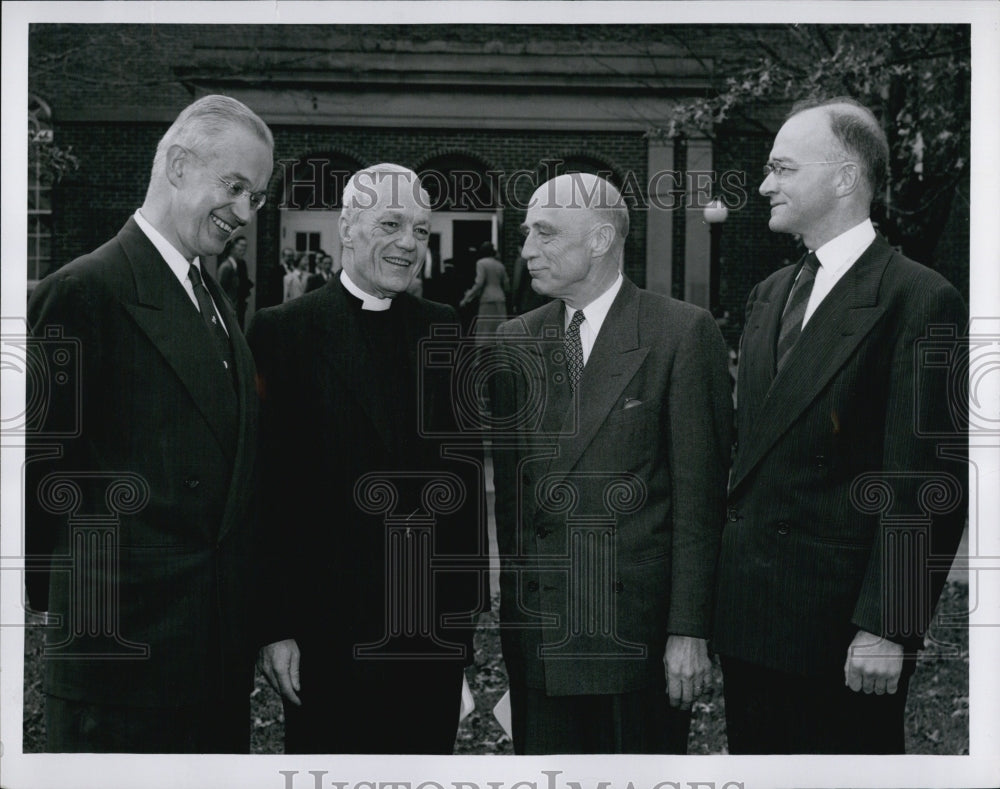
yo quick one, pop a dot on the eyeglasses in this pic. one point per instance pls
(234, 189)
(780, 171)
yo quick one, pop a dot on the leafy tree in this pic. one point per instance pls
(916, 78)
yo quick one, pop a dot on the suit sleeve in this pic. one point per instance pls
(924, 491)
(699, 444)
(62, 317)
(276, 562)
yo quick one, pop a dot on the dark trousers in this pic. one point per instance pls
(393, 707)
(641, 721)
(83, 727)
(769, 712)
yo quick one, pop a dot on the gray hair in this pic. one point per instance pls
(201, 122)
(359, 192)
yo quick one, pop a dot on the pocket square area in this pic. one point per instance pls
(631, 403)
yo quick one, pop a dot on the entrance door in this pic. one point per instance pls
(467, 235)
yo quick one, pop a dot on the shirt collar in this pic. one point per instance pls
(841, 252)
(597, 310)
(368, 301)
(177, 262)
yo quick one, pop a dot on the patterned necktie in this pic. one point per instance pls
(574, 350)
(209, 315)
(795, 308)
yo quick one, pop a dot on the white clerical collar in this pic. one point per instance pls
(597, 310)
(177, 262)
(840, 253)
(368, 301)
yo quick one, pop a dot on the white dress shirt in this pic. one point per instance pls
(593, 317)
(368, 301)
(836, 257)
(177, 263)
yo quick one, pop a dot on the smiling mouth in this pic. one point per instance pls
(223, 226)
(400, 262)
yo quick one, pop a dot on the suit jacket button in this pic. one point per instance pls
(783, 528)
(821, 461)
(542, 532)
(619, 587)
(192, 482)
(732, 515)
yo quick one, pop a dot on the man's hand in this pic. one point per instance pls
(688, 669)
(873, 665)
(279, 662)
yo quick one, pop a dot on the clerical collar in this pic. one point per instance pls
(368, 301)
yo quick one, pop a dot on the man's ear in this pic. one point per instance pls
(344, 229)
(848, 179)
(177, 161)
(601, 239)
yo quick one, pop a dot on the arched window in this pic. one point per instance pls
(460, 182)
(40, 179)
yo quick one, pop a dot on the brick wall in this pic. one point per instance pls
(93, 203)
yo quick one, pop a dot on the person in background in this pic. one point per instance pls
(295, 280)
(324, 273)
(491, 287)
(233, 276)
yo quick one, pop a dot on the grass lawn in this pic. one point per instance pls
(937, 712)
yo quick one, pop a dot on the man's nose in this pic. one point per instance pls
(768, 185)
(406, 239)
(242, 209)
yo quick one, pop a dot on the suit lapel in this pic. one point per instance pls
(246, 395)
(613, 362)
(172, 323)
(829, 339)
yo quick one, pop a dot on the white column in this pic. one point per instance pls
(697, 238)
(660, 216)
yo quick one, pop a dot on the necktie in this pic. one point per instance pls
(574, 350)
(212, 323)
(795, 308)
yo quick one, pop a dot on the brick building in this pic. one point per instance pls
(485, 111)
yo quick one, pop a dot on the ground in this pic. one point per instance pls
(937, 712)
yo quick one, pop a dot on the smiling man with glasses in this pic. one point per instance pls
(158, 656)
(823, 597)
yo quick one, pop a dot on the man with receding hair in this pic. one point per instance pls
(139, 520)
(609, 505)
(845, 507)
(371, 532)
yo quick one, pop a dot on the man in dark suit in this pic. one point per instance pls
(371, 530)
(234, 278)
(609, 506)
(844, 510)
(138, 524)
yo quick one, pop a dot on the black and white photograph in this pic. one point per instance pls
(523, 395)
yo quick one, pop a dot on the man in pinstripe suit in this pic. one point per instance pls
(834, 554)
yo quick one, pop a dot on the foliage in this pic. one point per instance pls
(937, 709)
(916, 78)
